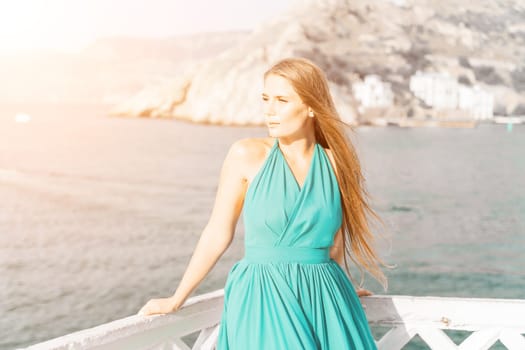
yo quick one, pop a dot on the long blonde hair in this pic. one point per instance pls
(311, 85)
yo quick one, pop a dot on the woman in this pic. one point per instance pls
(304, 205)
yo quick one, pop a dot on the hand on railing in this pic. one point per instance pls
(159, 306)
(363, 292)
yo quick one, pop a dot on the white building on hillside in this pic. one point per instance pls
(479, 102)
(441, 91)
(373, 93)
(437, 90)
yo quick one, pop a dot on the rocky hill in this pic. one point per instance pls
(481, 43)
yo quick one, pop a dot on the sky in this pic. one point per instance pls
(70, 25)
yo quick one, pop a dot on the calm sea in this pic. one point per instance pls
(100, 214)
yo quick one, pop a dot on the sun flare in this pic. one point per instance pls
(33, 24)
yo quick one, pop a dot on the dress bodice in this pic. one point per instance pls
(278, 212)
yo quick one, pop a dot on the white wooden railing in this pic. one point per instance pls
(488, 320)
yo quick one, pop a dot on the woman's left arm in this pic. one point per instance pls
(336, 250)
(337, 253)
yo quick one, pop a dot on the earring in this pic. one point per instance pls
(311, 114)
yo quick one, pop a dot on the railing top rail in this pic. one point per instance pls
(468, 314)
(204, 311)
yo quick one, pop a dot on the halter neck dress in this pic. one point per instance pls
(286, 292)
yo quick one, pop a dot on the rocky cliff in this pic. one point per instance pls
(477, 43)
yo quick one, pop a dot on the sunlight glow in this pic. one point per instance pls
(38, 24)
(22, 118)
(71, 25)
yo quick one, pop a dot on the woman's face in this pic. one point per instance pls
(285, 112)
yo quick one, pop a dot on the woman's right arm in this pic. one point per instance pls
(218, 233)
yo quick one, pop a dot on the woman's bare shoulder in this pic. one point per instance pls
(252, 146)
(250, 154)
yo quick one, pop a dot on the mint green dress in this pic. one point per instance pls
(286, 292)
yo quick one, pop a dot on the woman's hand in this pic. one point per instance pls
(158, 306)
(363, 292)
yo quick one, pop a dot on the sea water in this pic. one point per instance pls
(99, 214)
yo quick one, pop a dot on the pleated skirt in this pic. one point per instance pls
(291, 305)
